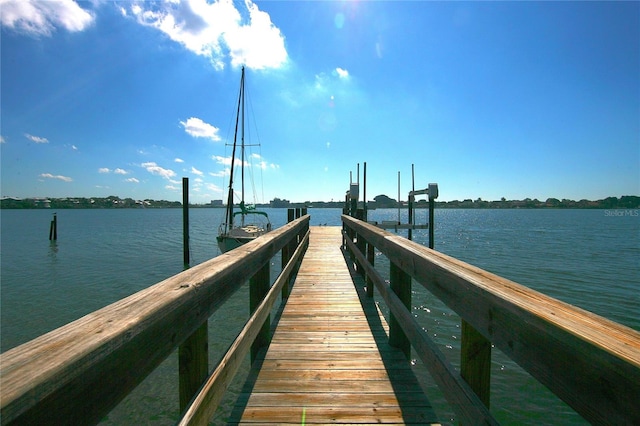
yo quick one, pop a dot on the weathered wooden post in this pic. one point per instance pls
(193, 353)
(286, 252)
(364, 192)
(53, 228)
(410, 218)
(361, 243)
(185, 222)
(433, 194)
(370, 258)
(193, 364)
(258, 289)
(400, 283)
(475, 362)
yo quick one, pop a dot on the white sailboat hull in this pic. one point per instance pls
(239, 236)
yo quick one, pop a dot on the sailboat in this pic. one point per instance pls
(247, 223)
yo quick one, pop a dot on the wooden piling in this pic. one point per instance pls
(258, 289)
(193, 353)
(193, 364)
(53, 229)
(370, 258)
(185, 221)
(432, 203)
(400, 283)
(475, 362)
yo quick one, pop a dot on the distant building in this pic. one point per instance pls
(216, 203)
(278, 203)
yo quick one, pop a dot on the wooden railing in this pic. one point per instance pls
(77, 373)
(591, 363)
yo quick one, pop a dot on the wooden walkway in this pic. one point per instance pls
(329, 361)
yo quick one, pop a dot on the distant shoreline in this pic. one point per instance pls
(381, 202)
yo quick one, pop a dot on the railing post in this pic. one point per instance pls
(193, 359)
(258, 289)
(432, 204)
(400, 283)
(287, 250)
(370, 259)
(361, 243)
(475, 362)
(193, 353)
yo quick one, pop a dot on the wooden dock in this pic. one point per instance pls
(329, 361)
(328, 357)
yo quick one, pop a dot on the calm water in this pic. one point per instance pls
(589, 258)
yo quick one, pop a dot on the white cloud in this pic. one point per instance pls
(120, 172)
(73, 147)
(2, 139)
(41, 18)
(104, 170)
(218, 31)
(199, 129)
(196, 171)
(223, 173)
(154, 169)
(179, 160)
(132, 180)
(213, 188)
(342, 73)
(260, 163)
(226, 161)
(58, 177)
(36, 139)
(257, 45)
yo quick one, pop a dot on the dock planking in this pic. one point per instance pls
(329, 361)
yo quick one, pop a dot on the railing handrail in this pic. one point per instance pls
(206, 401)
(77, 373)
(590, 362)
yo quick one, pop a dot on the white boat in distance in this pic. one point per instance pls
(245, 224)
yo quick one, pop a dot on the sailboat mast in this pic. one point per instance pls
(229, 221)
(242, 146)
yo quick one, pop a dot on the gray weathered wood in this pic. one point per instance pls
(193, 364)
(258, 289)
(400, 284)
(475, 362)
(590, 362)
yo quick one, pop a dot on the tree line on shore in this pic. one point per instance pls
(380, 201)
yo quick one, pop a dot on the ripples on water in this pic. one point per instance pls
(582, 257)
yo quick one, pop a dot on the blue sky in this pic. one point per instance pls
(488, 99)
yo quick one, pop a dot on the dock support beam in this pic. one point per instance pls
(370, 258)
(400, 283)
(193, 364)
(475, 362)
(193, 353)
(258, 289)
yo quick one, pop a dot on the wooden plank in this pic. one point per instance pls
(324, 362)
